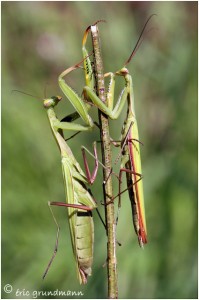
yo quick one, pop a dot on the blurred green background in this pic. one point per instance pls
(40, 40)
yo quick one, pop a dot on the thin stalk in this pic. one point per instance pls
(107, 161)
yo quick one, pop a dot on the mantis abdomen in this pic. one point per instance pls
(80, 221)
(84, 229)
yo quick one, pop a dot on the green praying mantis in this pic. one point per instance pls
(131, 164)
(79, 200)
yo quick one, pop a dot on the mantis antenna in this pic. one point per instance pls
(139, 41)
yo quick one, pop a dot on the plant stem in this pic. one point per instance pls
(107, 161)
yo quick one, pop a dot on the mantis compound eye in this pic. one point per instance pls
(124, 71)
(47, 103)
(56, 99)
(51, 102)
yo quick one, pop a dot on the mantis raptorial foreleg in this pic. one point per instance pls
(80, 106)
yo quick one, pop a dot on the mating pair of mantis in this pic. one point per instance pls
(79, 200)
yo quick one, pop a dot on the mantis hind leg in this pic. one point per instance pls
(83, 207)
(91, 178)
(56, 243)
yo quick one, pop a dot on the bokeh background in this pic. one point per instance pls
(41, 39)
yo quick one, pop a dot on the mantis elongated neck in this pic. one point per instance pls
(130, 99)
(51, 113)
(58, 134)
